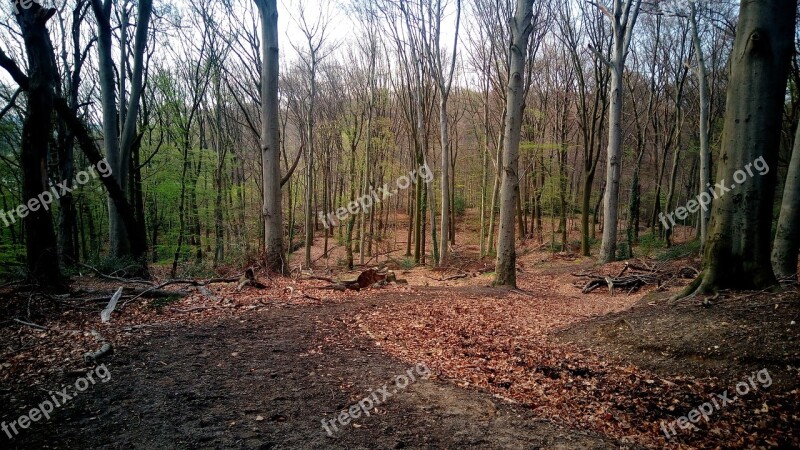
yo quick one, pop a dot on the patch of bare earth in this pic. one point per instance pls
(257, 369)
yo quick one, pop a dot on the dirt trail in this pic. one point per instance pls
(266, 380)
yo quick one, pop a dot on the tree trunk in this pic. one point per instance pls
(118, 146)
(444, 250)
(521, 27)
(40, 242)
(622, 27)
(787, 237)
(270, 137)
(737, 254)
(705, 151)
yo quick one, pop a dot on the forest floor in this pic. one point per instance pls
(544, 366)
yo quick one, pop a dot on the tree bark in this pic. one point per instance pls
(40, 243)
(623, 20)
(270, 137)
(705, 151)
(521, 27)
(118, 146)
(737, 254)
(787, 237)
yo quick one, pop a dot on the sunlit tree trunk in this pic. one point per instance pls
(737, 254)
(623, 19)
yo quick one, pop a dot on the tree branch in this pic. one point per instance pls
(600, 56)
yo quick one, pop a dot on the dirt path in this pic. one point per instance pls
(266, 380)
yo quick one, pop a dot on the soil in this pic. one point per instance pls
(266, 380)
(540, 367)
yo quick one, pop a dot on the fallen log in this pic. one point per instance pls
(632, 277)
(367, 278)
(32, 325)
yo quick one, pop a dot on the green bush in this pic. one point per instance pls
(691, 248)
(649, 244)
(459, 205)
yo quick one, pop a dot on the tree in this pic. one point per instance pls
(737, 254)
(705, 150)
(119, 125)
(41, 246)
(270, 137)
(591, 109)
(521, 28)
(444, 81)
(787, 237)
(312, 56)
(623, 19)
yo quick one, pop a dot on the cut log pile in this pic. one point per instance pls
(633, 276)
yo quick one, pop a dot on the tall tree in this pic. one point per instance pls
(521, 28)
(705, 149)
(444, 81)
(41, 246)
(737, 254)
(270, 137)
(119, 124)
(787, 237)
(623, 19)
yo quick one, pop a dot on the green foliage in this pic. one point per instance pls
(407, 263)
(623, 251)
(459, 205)
(691, 248)
(12, 261)
(649, 244)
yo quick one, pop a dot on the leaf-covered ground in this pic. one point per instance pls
(524, 347)
(545, 366)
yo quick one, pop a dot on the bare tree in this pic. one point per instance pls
(521, 28)
(118, 146)
(444, 81)
(623, 16)
(270, 137)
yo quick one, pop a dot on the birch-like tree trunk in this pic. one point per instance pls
(521, 27)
